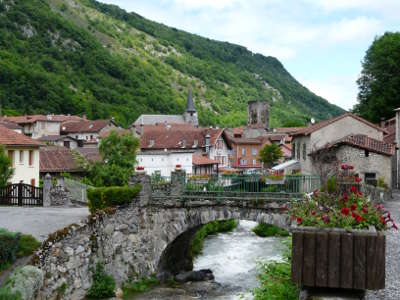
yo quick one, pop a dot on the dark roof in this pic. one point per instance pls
(189, 103)
(92, 154)
(84, 126)
(362, 142)
(58, 159)
(9, 137)
(310, 129)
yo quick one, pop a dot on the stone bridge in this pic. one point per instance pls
(152, 235)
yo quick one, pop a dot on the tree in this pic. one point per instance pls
(270, 154)
(119, 156)
(6, 171)
(379, 83)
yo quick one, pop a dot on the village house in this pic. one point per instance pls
(56, 160)
(24, 155)
(165, 145)
(36, 126)
(87, 131)
(345, 139)
(61, 140)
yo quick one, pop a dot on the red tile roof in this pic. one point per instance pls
(84, 126)
(58, 159)
(310, 129)
(176, 136)
(92, 154)
(10, 125)
(362, 142)
(199, 160)
(9, 137)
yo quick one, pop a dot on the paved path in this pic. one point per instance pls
(40, 221)
(392, 290)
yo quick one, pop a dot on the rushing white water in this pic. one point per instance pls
(233, 259)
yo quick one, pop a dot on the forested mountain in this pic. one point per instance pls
(81, 56)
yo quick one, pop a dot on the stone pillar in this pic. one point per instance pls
(145, 182)
(177, 182)
(47, 184)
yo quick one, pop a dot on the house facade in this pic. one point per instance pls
(345, 135)
(24, 155)
(88, 131)
(61, 140)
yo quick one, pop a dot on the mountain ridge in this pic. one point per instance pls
(98, 59)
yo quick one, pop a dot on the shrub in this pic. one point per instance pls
(8, 248)
(274, 278)
(266, 230)
(140, 286)
(103, 285)
(101, 198)
(27, 245)
(381, 183)
(273, 188)
(7, 294)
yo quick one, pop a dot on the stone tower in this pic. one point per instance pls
(190, 114)
(258, 114)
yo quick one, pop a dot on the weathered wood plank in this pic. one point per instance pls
(360, 260)
(297, 257)
(380, 261)
(371, 262)
(321, 279)
(346, 262)
(334, 260)
(309, 259)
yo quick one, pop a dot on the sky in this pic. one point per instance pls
(320, 42)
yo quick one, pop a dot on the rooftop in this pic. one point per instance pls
(58, 159)
(84, 126)
(200, 160)
(9, 137)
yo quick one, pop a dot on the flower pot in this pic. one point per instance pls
(140, 170)
(338, 258)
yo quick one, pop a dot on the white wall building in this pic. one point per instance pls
(24, 155)
(164, 162)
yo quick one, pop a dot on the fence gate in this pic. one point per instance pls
(21, 194)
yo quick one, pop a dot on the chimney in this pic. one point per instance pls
(207, 139)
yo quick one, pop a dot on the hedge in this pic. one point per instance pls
(103, 197)
(8, 247)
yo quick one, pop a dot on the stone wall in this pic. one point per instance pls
(131, 241)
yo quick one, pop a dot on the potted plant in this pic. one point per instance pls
(338, 240)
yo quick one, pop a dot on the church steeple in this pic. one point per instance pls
(190, 114)
(189, 102)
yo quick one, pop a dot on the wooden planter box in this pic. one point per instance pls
(338, 258)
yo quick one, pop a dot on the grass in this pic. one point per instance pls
(209, 229)
(27, 245)
(139, 286)
(266, 230)
(274, 278)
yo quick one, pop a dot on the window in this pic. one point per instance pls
(21, 156)
(31, 157)
(293, 150)
(298, 151)
(370, 178)
(43, 125)
(77, 137)
(243, 162)
(254, 162)
(366, 152)
(304, 151)
(254, 151)
(243, 151)
(91, 137)
(67, 144)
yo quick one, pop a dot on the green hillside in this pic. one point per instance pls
(81, 56)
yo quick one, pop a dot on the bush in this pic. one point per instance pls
(208, 229)
(101, 198)
(103, 285)
(270, 189)
(266, 230)
(381, 183)
(8, 248)
(274, 278)
(140, 286)
(7, 294)
(27, 245)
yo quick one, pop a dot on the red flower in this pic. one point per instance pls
(358, 179)
(353, 206)
(364, 210)
(299, 220)
(354, 215)
(343, 166)
(353, 189)
(313, 212)
(359, 219)
(345, 198)
(345, 211)
(326, 218)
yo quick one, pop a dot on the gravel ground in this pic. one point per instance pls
(40, 221)
(392, 290)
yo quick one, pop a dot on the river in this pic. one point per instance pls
(233, 259)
